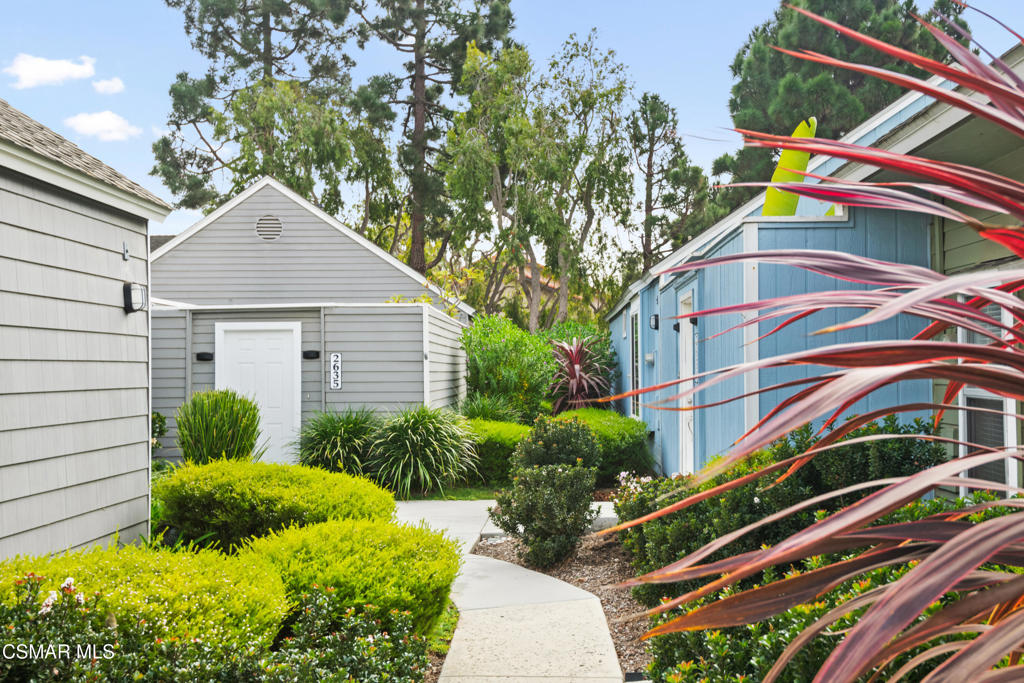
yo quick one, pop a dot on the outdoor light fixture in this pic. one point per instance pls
(654, 321)
(675, 326)
(204, 355)
(136, 297)
(693, 320)
(311, 354)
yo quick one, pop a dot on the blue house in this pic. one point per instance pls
(656, 339)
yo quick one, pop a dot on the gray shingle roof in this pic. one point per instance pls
(157, 241)
(24, 131)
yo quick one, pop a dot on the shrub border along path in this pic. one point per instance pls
(515, 624)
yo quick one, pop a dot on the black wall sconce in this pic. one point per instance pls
(136, 297)
(653, 322)
(675, 326)
(693, 320)
(204, 355)
(311, 354)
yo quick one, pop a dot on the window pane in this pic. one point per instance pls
(993, 311)
(986, 429)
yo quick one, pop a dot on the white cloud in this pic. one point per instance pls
(159, 132)
(35, 71)
(111, 86)
(105, 125)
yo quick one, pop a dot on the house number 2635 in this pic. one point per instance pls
(335, 371)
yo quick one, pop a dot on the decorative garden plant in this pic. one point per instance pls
(949, 557)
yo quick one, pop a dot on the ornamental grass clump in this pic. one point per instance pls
(580, 376)
(225, 502)
(497, 408)
(218, 425)
(422, 449)
(337, 441)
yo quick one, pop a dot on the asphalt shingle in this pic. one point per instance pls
(24, 131)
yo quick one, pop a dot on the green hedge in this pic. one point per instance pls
(495, 442)
(203, 594)
(368, 562)
(622, 443)
(234, 500)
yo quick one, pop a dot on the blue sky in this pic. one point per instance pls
(679, 49)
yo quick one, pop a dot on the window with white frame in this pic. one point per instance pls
(995, 428)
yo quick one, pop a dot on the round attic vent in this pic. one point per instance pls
(269, 228)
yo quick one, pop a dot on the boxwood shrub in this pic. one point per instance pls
(621, 441)
(387, 565)
(203, 594)
(557, 442)
(228, 501)
(495, 443)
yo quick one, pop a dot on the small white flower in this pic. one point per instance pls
(68, 583)
(45, 609)
(80, 598)
(756, 499)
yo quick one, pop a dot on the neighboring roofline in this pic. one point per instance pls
(739, 215)
(27, 162)
(319, 213)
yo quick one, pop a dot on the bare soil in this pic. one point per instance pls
(597, 566)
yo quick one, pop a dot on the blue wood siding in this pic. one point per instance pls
(876, 233)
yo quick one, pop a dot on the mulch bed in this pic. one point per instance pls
(597, 566)
(434, 665)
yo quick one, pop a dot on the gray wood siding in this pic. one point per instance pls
(74, 396)
(382, 356)
(447, 360)
(312, 262)
(169, 385)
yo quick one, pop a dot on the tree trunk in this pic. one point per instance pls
(417, 218)
(648, 232)
(268, 48)
(563, 284)
(532, 288)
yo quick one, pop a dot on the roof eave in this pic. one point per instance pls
(46, 170)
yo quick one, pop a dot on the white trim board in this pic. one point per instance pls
(167, 304)
(330, 220)
(48, 171)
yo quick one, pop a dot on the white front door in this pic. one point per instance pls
(687, 447)
(261, 361)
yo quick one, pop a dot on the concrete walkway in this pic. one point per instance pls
(516, 624)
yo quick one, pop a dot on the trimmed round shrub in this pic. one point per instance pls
(229, 501)
(374, 562)
(621, 441)
(422, 449)
(504, 360)
(548, 508)
(557, 442)
(495, 444)
(495, 408)
(337, 442)
(203, 594)
(220, 424)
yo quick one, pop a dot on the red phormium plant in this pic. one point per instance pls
(581, 377)
(948, 555)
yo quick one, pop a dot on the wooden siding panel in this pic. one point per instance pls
(447, 361)
(227, 263)
(74, 399)
(381, 378)
(168, 373)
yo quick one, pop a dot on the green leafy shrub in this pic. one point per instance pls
(504, 360)
(557, 442)
(326, 643)
(337, 441)
(495, 444)
(229, 501)
(548, 509)
(749, 651)
(216, 425)
(621, 441)
(496, 408)
(366, 561)
(422, 449)
(203, 594)
(158, 429)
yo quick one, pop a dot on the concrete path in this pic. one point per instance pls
(515, 624)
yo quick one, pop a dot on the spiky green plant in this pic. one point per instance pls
(422, 449)
(218, 424)
(337, 441)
